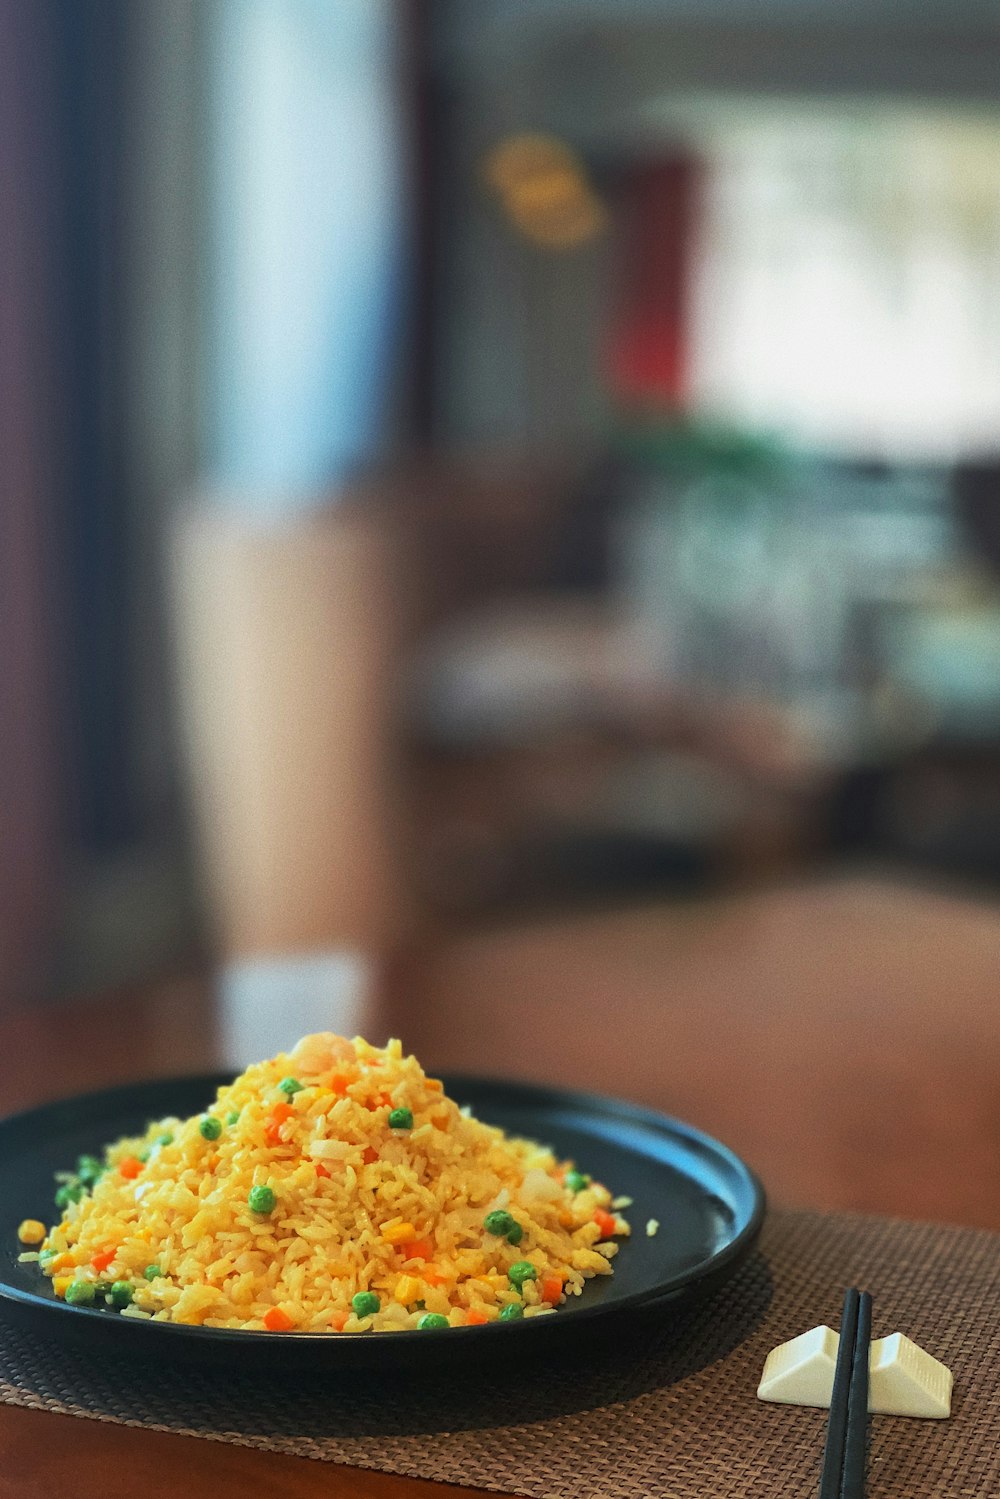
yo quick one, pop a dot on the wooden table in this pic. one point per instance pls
(842, 1036)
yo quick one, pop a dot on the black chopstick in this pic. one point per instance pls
(852, 1485)
(844, 1459)
(833, 1457)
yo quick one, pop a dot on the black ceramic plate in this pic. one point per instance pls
(708, 1203)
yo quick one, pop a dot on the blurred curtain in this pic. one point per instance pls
(94, 514)
(306, 219)
(285, 596)
(28, 830)
(99, 132)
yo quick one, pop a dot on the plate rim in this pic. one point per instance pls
(604, 1104)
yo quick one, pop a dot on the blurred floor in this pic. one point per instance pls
(841, 1036)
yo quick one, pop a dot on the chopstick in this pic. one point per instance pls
(852, 1484)
(843, 1475)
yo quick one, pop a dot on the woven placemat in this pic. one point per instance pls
(671, 1413)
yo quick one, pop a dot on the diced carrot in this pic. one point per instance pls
(130, 1166)
(338, 1320)
(432, 1276)
(418, 1249)
(272, 1133)
(440, 1122)
(551, 1288)
(102, 1260)
(276, 1320)
(281, 1112)
(321, 1169)
(370, 1155)
(339, 1084)
(475, 1319)
(606, 1223)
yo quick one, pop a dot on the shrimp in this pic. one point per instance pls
(321, 1052)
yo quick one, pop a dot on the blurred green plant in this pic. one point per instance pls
(690, 449)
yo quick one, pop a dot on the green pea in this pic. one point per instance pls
(210, 1127)
(67, 1194)
(89, 1168)
(152, 1272)
(509, 1313)
(233, 1117)
(516, 1234)
(46, 1256)
(431, 1320)
(144, 1154)
(499, 1223)
(575, 1181)
(120, 1294)
(262, 1199)
(401, 1119)
(166, 1139)
(365, 1304)
(521, 1271)
(80, 1293)
(290, 1085)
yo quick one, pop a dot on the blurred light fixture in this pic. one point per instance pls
(545, 192)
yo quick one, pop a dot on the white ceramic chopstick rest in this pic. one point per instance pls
(801, 1372)
(903, 1379)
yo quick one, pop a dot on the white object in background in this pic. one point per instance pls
(845, 291)
(268, 1003)
(903, 1380)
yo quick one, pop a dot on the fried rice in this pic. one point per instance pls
(335, 1188)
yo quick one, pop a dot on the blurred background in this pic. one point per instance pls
(500, 535)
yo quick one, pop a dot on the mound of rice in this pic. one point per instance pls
(378, 1183)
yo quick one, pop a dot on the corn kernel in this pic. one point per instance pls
(408, 1289)
(60, 1284)
(31, 1231)
(399, 1233)
(495, 1282)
